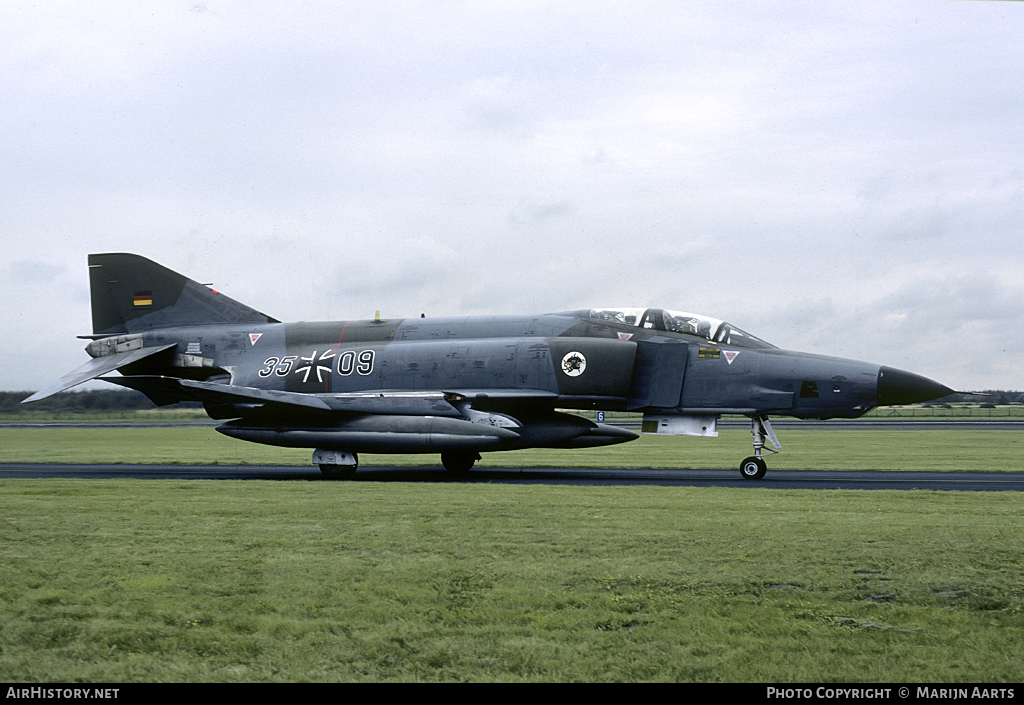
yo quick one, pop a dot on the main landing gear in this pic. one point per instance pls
(342, 464)
(459, 462)
(754, 467)
(336, 464)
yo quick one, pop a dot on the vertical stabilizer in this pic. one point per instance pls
(131, 294)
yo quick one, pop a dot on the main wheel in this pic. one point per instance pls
(336, 464)
(338, 472)
(753, 468)
(459, 462)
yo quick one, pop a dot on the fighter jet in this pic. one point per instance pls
(458, 386)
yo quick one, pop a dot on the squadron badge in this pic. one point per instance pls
(574, 363)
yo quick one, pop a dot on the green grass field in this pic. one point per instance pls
(168, 580)
(120, 581)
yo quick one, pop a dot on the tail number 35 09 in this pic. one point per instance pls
(348, 362)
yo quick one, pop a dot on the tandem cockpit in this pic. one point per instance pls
(713, 329)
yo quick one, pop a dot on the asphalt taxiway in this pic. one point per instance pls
(774, 480)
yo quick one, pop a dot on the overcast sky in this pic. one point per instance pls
(841, 178)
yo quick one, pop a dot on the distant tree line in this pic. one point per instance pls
(96, 400)
(995, 397)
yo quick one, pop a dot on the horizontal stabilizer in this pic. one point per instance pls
(96, 367)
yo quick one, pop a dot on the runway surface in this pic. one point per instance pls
(774, 480)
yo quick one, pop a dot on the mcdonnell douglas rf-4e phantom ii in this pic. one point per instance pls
(457, 386)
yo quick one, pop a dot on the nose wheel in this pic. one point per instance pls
(754, 467)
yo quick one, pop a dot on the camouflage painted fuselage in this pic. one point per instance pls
(457, 385)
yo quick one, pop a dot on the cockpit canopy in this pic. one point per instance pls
(713, 329)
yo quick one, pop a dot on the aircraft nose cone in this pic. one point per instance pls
(897, 387)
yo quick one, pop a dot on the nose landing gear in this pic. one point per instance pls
(754, 467)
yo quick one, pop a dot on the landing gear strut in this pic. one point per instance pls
(754, 467)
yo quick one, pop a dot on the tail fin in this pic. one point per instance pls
(131, 294)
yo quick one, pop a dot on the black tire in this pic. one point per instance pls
(338, 472)
(753, 468)
(459, 462)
